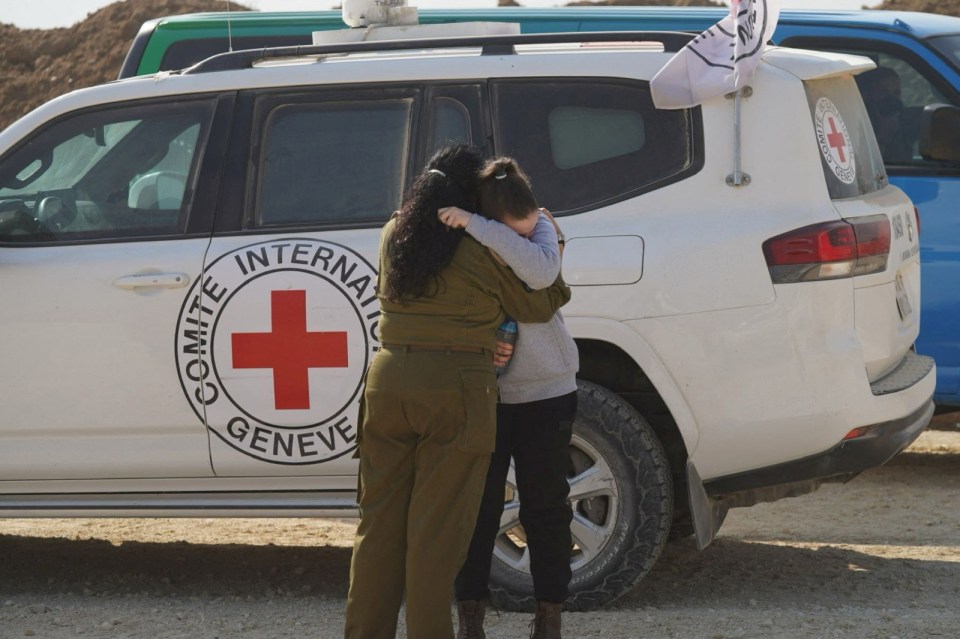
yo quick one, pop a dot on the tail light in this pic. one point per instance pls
(830, 250)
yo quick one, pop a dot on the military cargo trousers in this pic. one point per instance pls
(426, 438)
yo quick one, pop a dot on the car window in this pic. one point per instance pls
(185, 53)
(449, 124)
(453, 114)
(849, 154)
(949, 47)
(114, 173)
(333, 161)
(589, 143)
(895, 94)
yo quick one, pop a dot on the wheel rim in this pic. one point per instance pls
(594, 499)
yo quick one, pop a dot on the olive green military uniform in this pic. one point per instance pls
(426, 438)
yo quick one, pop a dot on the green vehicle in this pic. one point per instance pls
(177, 42)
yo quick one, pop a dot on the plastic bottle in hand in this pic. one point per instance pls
(506, 332)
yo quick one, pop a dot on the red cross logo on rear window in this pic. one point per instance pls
(836, 140)
(290, 350)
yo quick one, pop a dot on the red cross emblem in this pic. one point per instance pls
(836, 140)
(290, 350)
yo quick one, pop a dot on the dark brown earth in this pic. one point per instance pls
(37, 65)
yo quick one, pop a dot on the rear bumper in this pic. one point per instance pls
(880, 443)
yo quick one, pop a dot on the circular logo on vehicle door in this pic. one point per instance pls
(272, 343)
(834, 141)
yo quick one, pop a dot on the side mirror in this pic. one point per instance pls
(940, 133)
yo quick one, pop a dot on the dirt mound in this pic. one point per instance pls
(37, 65)
(946, 7)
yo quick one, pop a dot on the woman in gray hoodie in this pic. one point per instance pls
(538, 403)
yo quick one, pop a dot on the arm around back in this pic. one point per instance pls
(525, 305)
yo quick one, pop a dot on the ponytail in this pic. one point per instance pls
(504, 190)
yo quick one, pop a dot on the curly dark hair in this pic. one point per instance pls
(421, 245)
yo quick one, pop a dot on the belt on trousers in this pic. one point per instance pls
(438, 348)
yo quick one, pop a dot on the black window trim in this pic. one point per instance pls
(131, 62)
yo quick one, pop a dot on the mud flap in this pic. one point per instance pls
(707, 514)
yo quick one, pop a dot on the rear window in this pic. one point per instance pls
(849, 154)
(186, 53)
(589, 143)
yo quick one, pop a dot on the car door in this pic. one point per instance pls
(103, 227)
(287, 321)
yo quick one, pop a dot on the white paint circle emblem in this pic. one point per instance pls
(834, 141)
(272, 344)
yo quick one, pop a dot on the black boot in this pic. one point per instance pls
(546, 623)
(470, 617)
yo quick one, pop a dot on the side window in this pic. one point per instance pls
(894, 94)
(332, 162)
(589, 143)
(117, 173)
(184, 53)
(450, 123)
(453, 116)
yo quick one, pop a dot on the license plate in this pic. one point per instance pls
(903, 299)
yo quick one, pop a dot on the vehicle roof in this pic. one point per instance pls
(430, 65)
(921, 25)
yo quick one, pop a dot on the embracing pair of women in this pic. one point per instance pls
(435, 442)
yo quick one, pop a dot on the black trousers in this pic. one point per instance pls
(537, 436)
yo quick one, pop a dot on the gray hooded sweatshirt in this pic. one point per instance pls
(545, 358)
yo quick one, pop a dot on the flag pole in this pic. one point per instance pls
(738, 177)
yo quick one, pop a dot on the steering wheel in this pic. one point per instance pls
(54, 212)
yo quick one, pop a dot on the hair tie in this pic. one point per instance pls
(501, 175)
(438, 172)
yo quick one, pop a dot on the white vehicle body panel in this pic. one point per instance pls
(754, 374)
(101, 401)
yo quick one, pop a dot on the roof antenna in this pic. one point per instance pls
(229, 30)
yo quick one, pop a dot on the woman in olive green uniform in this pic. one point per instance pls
(429, 421)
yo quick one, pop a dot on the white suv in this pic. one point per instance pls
(187, 265)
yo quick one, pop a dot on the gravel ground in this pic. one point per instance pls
(877, 558)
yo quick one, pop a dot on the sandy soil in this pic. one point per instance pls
(877, 558)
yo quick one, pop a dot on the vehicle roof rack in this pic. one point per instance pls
(672, 41)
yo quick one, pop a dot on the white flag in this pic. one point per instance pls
(720, 60)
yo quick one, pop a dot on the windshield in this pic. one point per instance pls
(949, 47)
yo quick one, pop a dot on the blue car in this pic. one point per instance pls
(913, 99)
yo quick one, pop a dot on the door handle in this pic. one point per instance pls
(152, 280)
